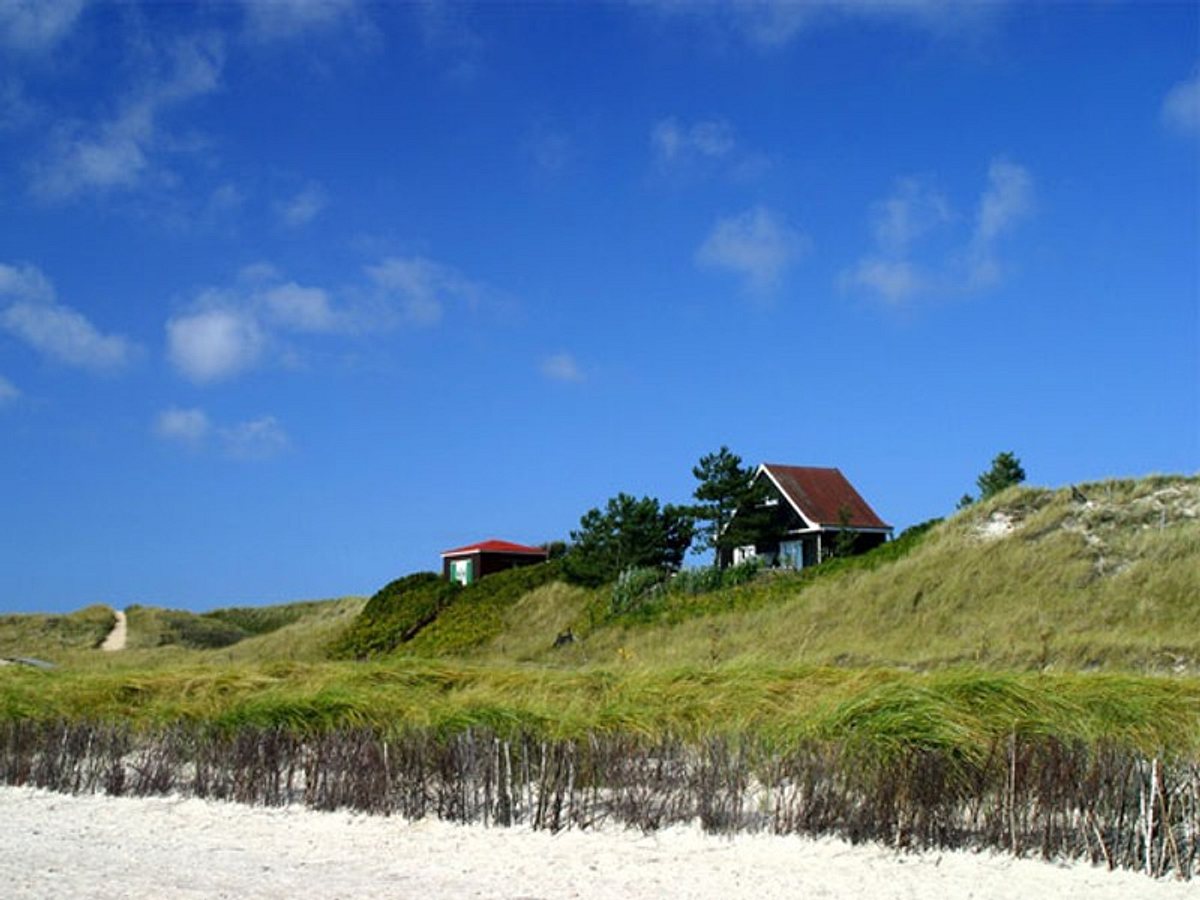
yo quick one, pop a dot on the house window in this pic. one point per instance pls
(791, 554)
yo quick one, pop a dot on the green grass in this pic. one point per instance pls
(883, 710)
(51, 637)
(1081, 624)
(1111, 586)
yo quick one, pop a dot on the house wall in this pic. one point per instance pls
(501, 562)
(484, 564)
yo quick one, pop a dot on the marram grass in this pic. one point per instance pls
(886, 710)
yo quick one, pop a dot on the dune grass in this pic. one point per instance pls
(1110, 585)
(886, 710)
(1037, 637)
(51, 636)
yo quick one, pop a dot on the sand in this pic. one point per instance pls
(62, 846)
(117, 637)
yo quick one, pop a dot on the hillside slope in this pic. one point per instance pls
(1104, 575)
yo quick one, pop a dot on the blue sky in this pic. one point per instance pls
(295, 295)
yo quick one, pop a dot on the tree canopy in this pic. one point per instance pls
(628, 533)
(733, 505)
(1005, 471)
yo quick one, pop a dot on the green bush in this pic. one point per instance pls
(476, 613)
(395, 615)
(691, 582)
(635, 589)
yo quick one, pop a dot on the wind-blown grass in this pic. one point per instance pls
(1109, 584)
(50, 636)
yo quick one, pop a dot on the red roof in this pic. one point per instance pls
(821, 494)
(492, 545)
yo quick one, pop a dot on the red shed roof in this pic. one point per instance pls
(493, 545)
(820, 494)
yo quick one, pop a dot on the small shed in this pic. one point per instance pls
(468, 564)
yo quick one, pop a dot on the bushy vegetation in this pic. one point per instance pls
(423, 614)
(477, 613)
(395, 614)
(928, 692)
(48, 636)
(257, 620)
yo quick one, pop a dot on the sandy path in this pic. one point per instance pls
(116, 637)
(92, 846)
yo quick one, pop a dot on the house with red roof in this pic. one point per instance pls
(468, 564)
(817, 509)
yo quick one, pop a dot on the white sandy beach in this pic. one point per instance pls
(94, 846)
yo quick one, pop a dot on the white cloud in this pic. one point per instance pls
(300, 308)
(422, 287)
(775, 23)
(911, 211)
(562, 367)
(118, 153)
(33, 26)
(907, 263)
(895, 280)
(214, 344)
(1181, 106)
(261, 318)
(25, 283)
(257, 439)
(184, 426)
(1007, 198)
(16, 110)
(8, 391)
(758, 245)
(272, 20)
(30, 310)
(674, 142)
(303, 207)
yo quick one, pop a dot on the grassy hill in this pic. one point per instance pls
(1055, 634)
(1101, 576)
(49, 636)
(1107, 579)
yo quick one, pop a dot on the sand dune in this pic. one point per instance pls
(99, 847)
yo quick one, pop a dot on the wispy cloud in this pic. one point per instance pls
(182, 426)
(674, 142)
(118, 152)
(774, 23)
(29, 310)
(257, 439)
(923, 248)
(562, 367)
(1181, 106)
(912, 210)
(702, 147)
(448, 31)
(758, 245)
(1007, 199)
(303, 207)
(262, 317)
(278, 20)
(422, 288)
(35, 26)
(254, 439)
(8, 392)
(300, 308)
